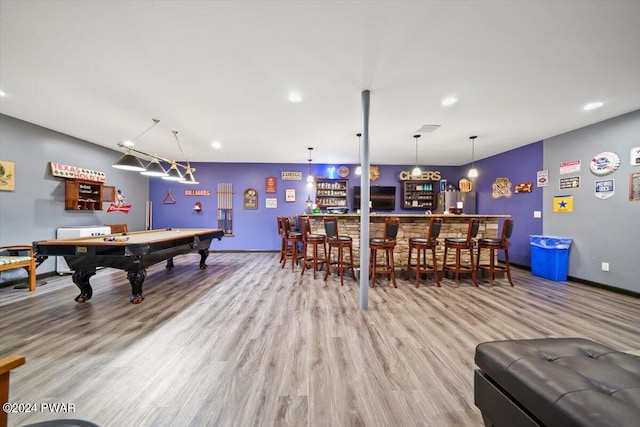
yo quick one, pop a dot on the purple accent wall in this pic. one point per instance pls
(255, 229)
(519, 166)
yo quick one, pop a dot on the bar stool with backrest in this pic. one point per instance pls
(501, 244)
(292, 240)
(422, 245)
(386, 243)
(459, 244)
(313, 240)
(341, 243)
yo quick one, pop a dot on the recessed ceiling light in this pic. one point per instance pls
(593, 106)
(2, 93)
(216, 144)
(128, 143)
(294, 97)
(449, 100)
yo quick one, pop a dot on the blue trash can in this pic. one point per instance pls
(550, 257)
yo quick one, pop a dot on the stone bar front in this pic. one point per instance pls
(411, 225)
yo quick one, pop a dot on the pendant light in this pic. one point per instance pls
(416, 172)
(310, 177)
(359, 167)
(473, 172)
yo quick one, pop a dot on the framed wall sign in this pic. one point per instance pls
(250, 199)
(634, 187)
(270, 185)
(7, 176)
(290, 195)
(271, 203)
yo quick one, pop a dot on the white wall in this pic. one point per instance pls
(36, 208)
(603, 230)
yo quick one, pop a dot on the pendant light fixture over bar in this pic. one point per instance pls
(359, 167)
(416, 172)
(131, 162)
(473, 172)
(310, 177)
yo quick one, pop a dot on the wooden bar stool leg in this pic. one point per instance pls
(457, 267)
(372, 263)
(417, 267)
(492, 266)
(435, 266)
(473, 268)
(341, 265)
(392, 266)
(508, 268)
(328, 259)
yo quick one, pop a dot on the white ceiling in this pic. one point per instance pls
(522, 71)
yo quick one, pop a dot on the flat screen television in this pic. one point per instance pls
(383, 198)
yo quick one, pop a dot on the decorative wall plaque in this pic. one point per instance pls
(563, 204)
(572, 166)
(634, 187)
(527, 187)
(604, 188)
(250, 199)
(604, 163)
(501, 188)
(7, 176)
(634, 156)
(290, 195)
(569, 182)
(270, 185)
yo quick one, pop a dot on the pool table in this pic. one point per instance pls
(132, 252)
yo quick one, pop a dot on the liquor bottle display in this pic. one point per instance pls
(419, 195)
(331, 192)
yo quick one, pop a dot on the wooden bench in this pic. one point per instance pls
(28, 262)
(6, 365)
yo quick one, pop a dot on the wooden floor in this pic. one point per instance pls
(246, 343)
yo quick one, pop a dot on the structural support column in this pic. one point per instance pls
(364, 204)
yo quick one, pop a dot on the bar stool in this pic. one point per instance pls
(386, 243)
(458, 244)
(341, 243)
(496, 245)
(292, 239)
(422, 245)
(314, 240)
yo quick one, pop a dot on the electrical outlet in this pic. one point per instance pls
(537, 214)
(605, 266)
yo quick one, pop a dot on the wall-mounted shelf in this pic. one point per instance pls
(419, 195)
(84, 195)
(332, 192)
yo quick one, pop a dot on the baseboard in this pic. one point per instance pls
(603, 286)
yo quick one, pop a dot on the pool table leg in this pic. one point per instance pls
(81, 279)
(169, 263)
(204, 253)
(136, 278)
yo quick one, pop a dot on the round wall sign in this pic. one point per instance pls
(604, 163)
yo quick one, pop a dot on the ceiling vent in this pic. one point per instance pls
(428, 128)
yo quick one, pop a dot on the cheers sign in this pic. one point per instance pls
(426, 176)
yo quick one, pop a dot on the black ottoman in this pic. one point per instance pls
(556, 382)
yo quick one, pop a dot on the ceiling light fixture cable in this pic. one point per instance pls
(359, 167)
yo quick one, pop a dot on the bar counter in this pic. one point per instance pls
(411, 225)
